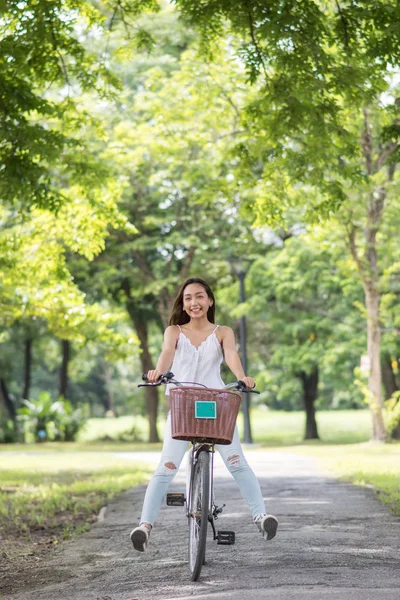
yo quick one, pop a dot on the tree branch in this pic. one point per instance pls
(143, 264)
(344, 23)
(230, 134)
(63, 66)
(187, 263)
(227, 97)
(375, 210)
(366, 142)
(384, 155)
(255, 43)
(351, 239)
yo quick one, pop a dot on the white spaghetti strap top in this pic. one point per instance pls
(198, 365)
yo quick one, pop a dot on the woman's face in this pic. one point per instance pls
(196, 301)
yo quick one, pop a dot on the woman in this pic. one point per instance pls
(192, 350)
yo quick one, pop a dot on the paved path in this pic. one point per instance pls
(335, 542)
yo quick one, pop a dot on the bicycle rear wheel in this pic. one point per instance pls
(198, 514)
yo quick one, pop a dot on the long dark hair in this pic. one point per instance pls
(178, 315)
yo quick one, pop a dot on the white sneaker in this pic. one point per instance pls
(268, 525)
(140, 538)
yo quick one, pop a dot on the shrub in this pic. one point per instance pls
(8, 430)
(393, 415)
(133, 434)
(71, 421)
(48, 420)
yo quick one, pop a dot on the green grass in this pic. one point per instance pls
(62, 447)
(287, 428)
(112, 428)
(269, 427)
(45, 498)
(372, 464)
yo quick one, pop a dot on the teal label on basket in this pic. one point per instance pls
(205, 410)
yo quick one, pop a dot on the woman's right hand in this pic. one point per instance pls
(153, 375)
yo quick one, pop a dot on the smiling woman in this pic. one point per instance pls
(194, 297)
(194, 348)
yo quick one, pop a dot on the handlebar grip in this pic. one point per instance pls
(144, 377)
(243, 388)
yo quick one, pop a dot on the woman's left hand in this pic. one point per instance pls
(249, 381)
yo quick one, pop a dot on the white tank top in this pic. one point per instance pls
(198, 365)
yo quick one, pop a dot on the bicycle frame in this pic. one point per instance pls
(200, 502)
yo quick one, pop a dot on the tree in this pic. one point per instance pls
(300, 299)
(178, 192)
(43, 48)
(322, 72)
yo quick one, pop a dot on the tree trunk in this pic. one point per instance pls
(109, 404)
(66, 351)
(310, 392)
(388, 377)
(372, 300)
(27, 369)
(147, 364)
(7, 400)
(139, 320)
(368, 265)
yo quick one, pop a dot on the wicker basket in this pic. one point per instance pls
(185, 425)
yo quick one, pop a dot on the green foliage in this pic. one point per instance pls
(41, 48)
(393, 413)
(301, 315)
(180, 183)
(36, 286)
(132, 434)
(309, 55)
(49, 420)
(187, 151)
(69, 422)
(8, 429)
(59, 194)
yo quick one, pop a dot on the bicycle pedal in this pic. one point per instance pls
(175, 499)
(226, 538)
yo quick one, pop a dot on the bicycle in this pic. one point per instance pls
(205, 417)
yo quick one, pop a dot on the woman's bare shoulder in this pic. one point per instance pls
(224, 333)
(172, 328)
(225, 330)
(172, 332)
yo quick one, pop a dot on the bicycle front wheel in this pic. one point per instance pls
(198, 514)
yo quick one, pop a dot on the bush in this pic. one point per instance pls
(71, 422)
(133, 434)
(393, 415)
(8, 430)
(48, 420)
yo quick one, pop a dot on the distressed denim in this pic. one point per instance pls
(173, 452)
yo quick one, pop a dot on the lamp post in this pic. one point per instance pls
(239, 268)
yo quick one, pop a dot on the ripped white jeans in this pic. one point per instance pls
(171, 457)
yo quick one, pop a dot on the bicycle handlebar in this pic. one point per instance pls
(168, 377)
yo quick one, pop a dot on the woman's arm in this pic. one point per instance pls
(166, 357)
(232, 358)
